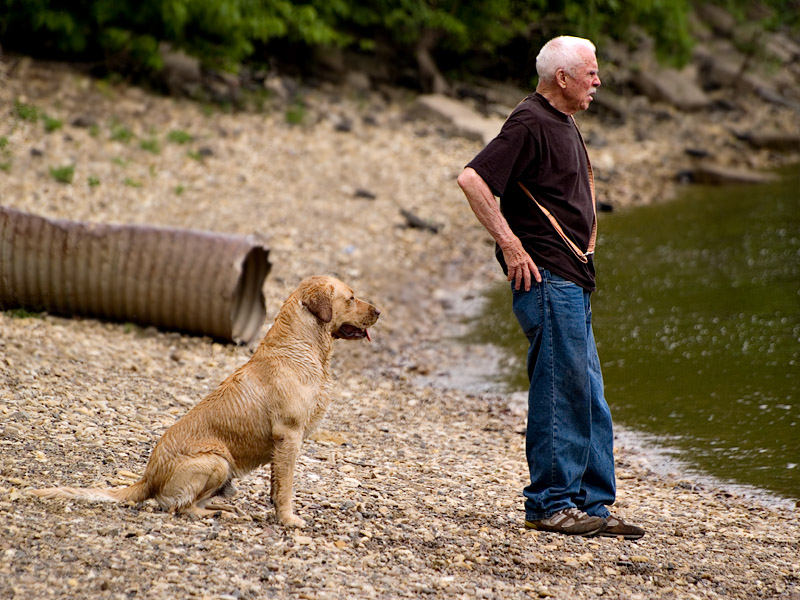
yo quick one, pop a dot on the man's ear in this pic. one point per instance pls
(561, 78)
(320, 304)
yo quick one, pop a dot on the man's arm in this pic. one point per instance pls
(482, 201)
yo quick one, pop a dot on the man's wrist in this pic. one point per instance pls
(508, 243)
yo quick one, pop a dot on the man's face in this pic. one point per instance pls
(582, 82)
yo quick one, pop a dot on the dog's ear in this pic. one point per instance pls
(320, 304)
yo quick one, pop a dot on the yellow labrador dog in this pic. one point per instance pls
(258, 415)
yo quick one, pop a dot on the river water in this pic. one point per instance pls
(697, 320)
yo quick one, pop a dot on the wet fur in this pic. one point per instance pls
(258, 415)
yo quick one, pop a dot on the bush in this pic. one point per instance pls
(51, 124)
(150, 145)
(26, 112)
(127, 34)
(120, 133)
(5, 154)
(178, 136)
(63, 174)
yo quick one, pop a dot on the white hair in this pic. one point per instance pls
(561, 53)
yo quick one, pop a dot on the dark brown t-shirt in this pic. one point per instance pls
(542, 148)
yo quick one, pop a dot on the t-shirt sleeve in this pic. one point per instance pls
(506, 157)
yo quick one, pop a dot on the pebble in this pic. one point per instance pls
(303, 540)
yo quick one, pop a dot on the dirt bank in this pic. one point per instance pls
(410, 490)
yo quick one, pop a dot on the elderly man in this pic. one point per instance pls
(545, 229)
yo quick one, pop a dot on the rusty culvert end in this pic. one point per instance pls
(192, 281)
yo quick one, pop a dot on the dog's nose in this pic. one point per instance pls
(376, 311)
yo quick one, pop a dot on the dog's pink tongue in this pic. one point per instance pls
(369, 339)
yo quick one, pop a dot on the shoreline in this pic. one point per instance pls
(666, 461)
(470, 376)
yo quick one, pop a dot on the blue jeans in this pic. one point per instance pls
(569, 438)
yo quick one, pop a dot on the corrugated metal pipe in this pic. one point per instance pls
(193, 281)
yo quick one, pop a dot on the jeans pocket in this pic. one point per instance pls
(559, 282)
(528, 308)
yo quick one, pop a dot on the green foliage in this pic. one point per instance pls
(461, 25)
(63, 174)
(221, 32)
(772, 14)
(150, 145)
(178, 136)
(21, 313)
(120, 133)
(296, 113)
(93, 181)
(26, 112)
(51, 124)
(5, 154)
(127, 34)
(129, 327)
(667, 21)
(131, 183)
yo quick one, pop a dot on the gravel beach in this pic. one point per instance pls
(411, 489)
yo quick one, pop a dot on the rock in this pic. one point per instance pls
(769, 94)
(303, 540)
(458, 116)
(782, 48)
(677, 88)
(416, 222)
(181, 73)
(718, 175)
(342, 123)
(11, 432)
(358, 81)
(608, 104)
(278, 86)
(772, 140)
(697, 152)
(366, 194)
(84, 121)
(717, 18)
(721, 66)
(221, 86)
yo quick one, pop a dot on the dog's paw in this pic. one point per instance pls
(292, 520)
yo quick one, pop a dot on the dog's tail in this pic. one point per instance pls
(138, 492)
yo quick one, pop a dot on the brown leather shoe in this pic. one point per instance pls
(570, 521)
(616, 527)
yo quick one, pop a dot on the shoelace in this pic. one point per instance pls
(574, 513)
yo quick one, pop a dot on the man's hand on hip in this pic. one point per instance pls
(520, 265)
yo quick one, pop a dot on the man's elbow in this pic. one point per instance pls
(467, 178)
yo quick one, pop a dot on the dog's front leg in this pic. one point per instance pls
(286, 448)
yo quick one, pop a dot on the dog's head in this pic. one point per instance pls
(335, 305)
